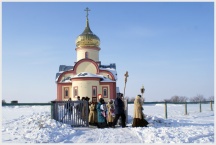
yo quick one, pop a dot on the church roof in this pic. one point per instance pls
(63, 68)
(86, 75)
(111, 68)
(113, 71)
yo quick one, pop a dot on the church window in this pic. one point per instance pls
(75, 91)
(86, 54)
(94, 91)
(105, 92)
(66, 92)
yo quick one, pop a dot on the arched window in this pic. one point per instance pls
(105, 92)
(75, 91)
(86, 54)
(94, 91)
(66, 92)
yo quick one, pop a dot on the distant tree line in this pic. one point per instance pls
(197, 98)
(177, 98)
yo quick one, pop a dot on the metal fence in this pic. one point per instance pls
(74, 113)
(26, 104)
(79, 117)
(184, 103)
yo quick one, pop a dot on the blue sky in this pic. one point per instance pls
(167, 47)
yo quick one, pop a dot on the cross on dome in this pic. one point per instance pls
(87, 10)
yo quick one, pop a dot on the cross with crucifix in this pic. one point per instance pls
(87, 10)
(126, 76)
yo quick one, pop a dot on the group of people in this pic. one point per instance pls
(79, 107)
(103, 115)
(107, 114)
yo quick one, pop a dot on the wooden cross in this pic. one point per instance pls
(87, 9)
(126, 76)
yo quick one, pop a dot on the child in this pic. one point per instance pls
(104, 110)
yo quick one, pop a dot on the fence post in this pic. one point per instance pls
(211, 105)
(200, 107)
(185, 108)
(52, 109)
(87, 113)
(166, 110)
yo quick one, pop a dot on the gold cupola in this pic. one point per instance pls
(87, 38)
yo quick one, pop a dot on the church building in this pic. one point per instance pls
(87, 77)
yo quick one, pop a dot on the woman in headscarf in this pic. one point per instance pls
(101, 114)
(139, 120)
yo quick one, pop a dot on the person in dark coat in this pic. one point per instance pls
(69, 108)
(101, 120)
(85, 108)
(78, 107)
(119, 112)
(87, 99)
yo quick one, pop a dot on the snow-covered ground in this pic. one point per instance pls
(32, 124)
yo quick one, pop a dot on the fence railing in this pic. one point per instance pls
(165, 105)
(74, 113)
(26, 104)
(184, 103)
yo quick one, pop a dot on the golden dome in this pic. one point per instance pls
(87, 38)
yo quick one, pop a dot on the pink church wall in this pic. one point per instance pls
(59, 90)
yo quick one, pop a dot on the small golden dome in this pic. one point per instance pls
(87, 38)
